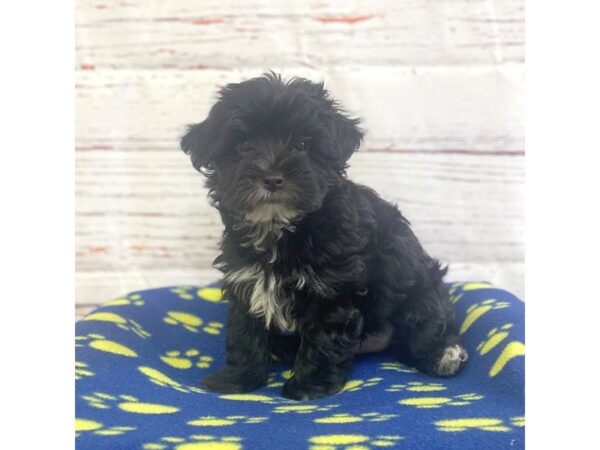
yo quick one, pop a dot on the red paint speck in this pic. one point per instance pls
(206, 21)
(343, 19)
(98, 249)
(88, 67)
(101, 6)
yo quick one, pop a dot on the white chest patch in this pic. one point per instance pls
(266, 297)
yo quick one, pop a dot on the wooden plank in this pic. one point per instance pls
(439, 109)
(230, 34)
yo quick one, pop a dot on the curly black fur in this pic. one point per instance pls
(317, 268)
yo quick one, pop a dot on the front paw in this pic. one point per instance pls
(231, 380)
(306, 391)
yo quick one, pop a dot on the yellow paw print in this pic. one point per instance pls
(349, 418)
(91, 426)
(454, 287)
(210, 294)
(512, 350)
(476, 286)
(121, 322)
(454, 298)
(352, 442)
(127, 403)
(417, 386)
(214, 295)
(196, 442)
(457, 290)
(278, 380)
(186, 360)
(479, 423)
(397, 367)
(518, 421)
(183, 292)
(82, 370)
(494, 337)
(191, 322)
(477, 310)
(211, 421)
(213, 328)
(251, 398)
(357, 385)
(99, 342)
(302, 409)
(438, 402)
(160, 379)
(133, 299)
(98, 400)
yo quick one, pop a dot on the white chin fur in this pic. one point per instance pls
(270, 212)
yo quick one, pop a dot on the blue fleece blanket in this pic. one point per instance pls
(140, 357)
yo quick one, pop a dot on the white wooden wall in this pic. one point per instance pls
(438, 83)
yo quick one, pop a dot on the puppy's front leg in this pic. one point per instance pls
(248, 354)
(325, 356)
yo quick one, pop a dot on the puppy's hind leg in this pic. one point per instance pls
(427, 338)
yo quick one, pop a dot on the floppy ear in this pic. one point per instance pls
(206, 140)
(348, 136)
(200, 143)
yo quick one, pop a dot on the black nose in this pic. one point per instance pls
(273, 182)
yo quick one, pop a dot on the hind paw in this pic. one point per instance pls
(452, 359)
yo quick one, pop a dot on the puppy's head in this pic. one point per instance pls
(272, 149)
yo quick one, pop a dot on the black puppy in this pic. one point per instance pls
(317, 268)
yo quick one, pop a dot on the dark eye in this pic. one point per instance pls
(244, 147)
(302, 145)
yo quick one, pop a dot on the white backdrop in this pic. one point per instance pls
(438, 84)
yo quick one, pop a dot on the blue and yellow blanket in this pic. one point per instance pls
(140, 357)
